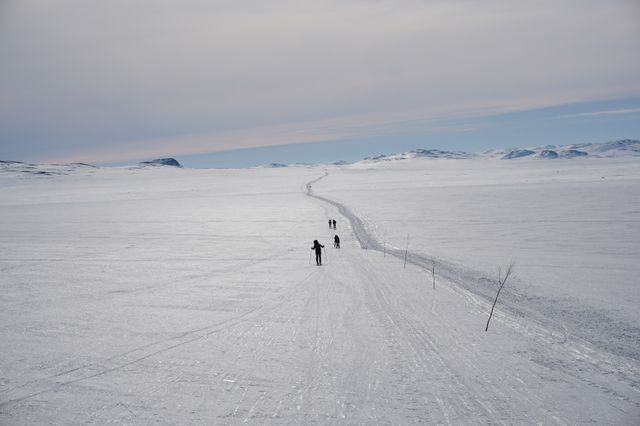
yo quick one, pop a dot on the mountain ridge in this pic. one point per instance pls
(611, 149)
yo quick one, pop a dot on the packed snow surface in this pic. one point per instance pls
(179, 296)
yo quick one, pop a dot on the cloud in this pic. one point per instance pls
(341, 128)
(82, 76)
(604, 113)
(435, 120)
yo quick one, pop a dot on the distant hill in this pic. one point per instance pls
(611, 149)
(420, 153)
(518, 153)
(618, 148)
(42, 170)
(161, 162)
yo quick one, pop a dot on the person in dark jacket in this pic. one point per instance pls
(318, 248)
(329, 223)
(334, 224)
(336, 241)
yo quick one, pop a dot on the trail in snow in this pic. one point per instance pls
(573, 234)
(616, 341)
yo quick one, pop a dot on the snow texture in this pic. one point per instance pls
(178, 296)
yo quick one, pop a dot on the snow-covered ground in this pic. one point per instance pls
(572, 227)
(178, 296)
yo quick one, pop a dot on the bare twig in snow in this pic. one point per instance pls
(501, 281)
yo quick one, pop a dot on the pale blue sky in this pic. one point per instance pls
(235, 83)
(561, 125)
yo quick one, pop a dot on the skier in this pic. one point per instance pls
(336, 241)
(334, 224)
(329, 223)
(318, 248)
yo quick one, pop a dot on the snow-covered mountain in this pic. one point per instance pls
(19, 167)
(618, 148)
(611, 149)
(518, 153)
(274, 165)
(420, 153)
(45, 170)
(161, 162)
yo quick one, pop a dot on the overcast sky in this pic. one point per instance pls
(123, 80)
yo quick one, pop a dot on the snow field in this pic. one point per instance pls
(186, 297)
(102, 271)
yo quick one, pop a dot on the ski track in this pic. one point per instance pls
(357, 341)
(550, 316)
(593, 365)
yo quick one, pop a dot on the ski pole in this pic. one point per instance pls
(310, 257)
(405, 252)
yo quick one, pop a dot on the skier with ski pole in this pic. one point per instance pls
(318, 248)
